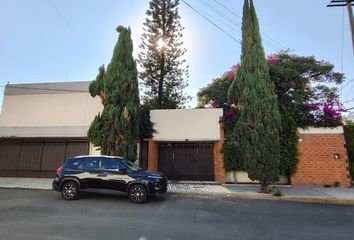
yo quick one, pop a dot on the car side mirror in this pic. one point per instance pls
(123, 170)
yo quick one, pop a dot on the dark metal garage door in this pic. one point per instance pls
(37, 157)
(187, 161)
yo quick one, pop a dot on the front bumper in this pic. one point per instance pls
(158, 187)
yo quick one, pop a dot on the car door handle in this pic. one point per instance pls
(102, 174)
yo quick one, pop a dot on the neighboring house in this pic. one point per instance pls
(43, 124)
(188, 146)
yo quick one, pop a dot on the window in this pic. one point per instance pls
(131, 165)
(73, 163)
(91, 163)
(112, 164)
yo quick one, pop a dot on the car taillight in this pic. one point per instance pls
(59, 170)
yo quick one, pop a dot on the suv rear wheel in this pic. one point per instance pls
(70, 190)
(138, 194)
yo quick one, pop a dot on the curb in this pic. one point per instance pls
(25, 188)
(260, 196)
(254, 196)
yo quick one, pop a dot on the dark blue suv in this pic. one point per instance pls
(107, 172)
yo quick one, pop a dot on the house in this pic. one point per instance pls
(187, 144)
(43, 124)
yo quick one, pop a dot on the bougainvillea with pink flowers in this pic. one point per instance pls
(306, 97)
(293, 75)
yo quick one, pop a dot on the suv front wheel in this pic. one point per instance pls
(138, 193)
(70, 190)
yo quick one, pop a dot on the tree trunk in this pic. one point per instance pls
(161, 80)
(263, 187)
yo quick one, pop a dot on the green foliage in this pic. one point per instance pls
(146, 127)
(301, 82)
(232, 159)
(327, 186)
(256, 133)
(278, 193)
(116, 129)
(289, 139)
(96, 87)
(163, 73)
(351, 170)
(336, 184)
(349, 139)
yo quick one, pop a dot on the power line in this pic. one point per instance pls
(59, 13)
(270, 40)
(266, 42)
(220, 21)
(225, 17)
(210, 21)
(222, 5)
(221, 13)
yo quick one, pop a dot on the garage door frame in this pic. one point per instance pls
(38, 168)
(187, 160)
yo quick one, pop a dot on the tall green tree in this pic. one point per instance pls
(116, 129)
(164, 73)
(256, 133)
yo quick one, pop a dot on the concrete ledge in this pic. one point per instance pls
(313, 130)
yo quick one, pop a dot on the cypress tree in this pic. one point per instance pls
(163, 73)
(116, 129)
(256, 133)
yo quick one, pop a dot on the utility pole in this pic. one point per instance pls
(349, 4)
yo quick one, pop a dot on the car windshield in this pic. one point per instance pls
(131, 165)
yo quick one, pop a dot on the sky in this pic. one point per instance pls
(66, 40)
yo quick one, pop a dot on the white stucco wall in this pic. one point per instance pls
(40, 110)
(28, 112)
(186, 124)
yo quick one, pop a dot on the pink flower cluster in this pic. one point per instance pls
(214, 105)
(229, 113)
(233, 71)
(331, 107)
(212, 84)
(272, 59)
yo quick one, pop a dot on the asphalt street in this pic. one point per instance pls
(38, 214)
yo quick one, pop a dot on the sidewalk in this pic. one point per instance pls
(308, 194)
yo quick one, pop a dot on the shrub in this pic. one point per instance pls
(278, 193)
(336, 184)
(327, 185)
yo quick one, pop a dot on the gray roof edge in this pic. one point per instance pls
(47, 88)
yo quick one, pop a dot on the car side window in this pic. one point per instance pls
(91, 163)
(112, 164)
(73, 163)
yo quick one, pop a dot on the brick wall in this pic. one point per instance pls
(153, 155)
(317, 163)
